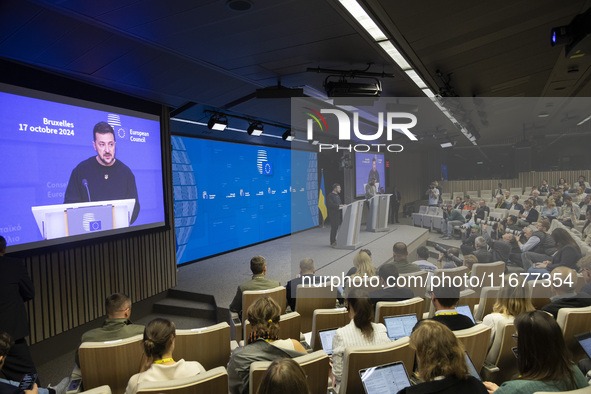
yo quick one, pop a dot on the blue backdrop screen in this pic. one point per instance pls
(229, 195)
(44, 137)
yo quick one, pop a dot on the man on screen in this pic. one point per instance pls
(374, 172)
(102, 177)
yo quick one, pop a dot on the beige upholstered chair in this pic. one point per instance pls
(208, 345)
(213, 381)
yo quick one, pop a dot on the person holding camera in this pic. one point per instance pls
(452, 218)
(451, 256)
(433, 195)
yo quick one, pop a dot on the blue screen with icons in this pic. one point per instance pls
(229, 195)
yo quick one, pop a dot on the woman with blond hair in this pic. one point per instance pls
(549, 210)
(441, 362)
(511, 301)
(263, 344)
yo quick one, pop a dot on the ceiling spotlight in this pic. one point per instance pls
(288, 135)
(217, 122)
(255, 128)
(447, 145)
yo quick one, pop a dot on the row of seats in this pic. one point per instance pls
(485, 194)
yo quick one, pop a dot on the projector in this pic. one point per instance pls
(352, 89)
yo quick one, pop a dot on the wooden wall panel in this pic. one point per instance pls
(524, 179)
(72, 284)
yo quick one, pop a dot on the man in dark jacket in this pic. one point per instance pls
(333, 205)
(389, 291)
(563, 281)
(16, 288)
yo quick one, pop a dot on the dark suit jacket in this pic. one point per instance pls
(15, 289)
(580, 301)
(532, 216)
(454, 322)
(517, 206)
(483, 255)
(449, 385)
(390, 294)
(292, 287)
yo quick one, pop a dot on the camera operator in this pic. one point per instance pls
(433, 194)
(451, 217)
(532, 241)
(501, 249)
(467, 246)
(451, 256)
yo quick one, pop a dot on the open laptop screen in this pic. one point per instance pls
(585, 341)
(384, 379)
(326, 340)
(400, 326)
(465, 310)
(471, 368)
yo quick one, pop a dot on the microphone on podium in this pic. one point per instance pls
(85, 183)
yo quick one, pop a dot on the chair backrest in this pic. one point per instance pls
(360, 357)
(473, 195)
(488, 297)
(492, 272)
(574, 321)
(515, 190)
(416, 281)
(208, 345)
(423, 209)
(98, 390)
(395, 308)
(325, 319)
(501, 352)
(476, 341)
(310, 298)
(289, 327)
(486, 194)
(540, 292)
(249, 297)
(458, 194)
(315, 365)
(432, 211)
(446, 196)
(110, 363)
(213, 381)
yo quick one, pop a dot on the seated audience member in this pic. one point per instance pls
(445, 299)
(507, 196)
(365, 271)
(586, 231)
(500, 249)
(582, 183)
(258, 267)
(400, 253)
(441, 364)
(389, 290)
(511, 223)
(515, 205)
(158, 344)
(501, 204)
(423, 263)
(481, 250)
(354, 269)
(117, 324)
(544, 188)
(262, 345)
(467, 246)
(284, 376)
(480, 213)
(451, 219)
(511, 302)
(544, 250)
(459, 205)
(469, 261)
(557, 196)
(531, 242)
(567, 256)
(527, 215)
(584, 266)
(549, 210)
(563, 281)
(306, 276)
(535, 195)
(579, 195)
(543, 359)
(569, 213)
(12, 386)
(584, 205)
(561, 183)
(360, 331)
(444, 261)
(469, 205)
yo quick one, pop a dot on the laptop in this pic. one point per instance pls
(400, 326)
(465, 310)
(326, 340)
(471, 368)
(585, 341)
(384, 379)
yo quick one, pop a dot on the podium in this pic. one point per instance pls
(63, 220)
(348, 235)
(379, 208)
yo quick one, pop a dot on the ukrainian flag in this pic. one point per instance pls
(321, 201)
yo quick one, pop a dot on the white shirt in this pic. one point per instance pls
(350, 335)
(161, 372)
(425, 265)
